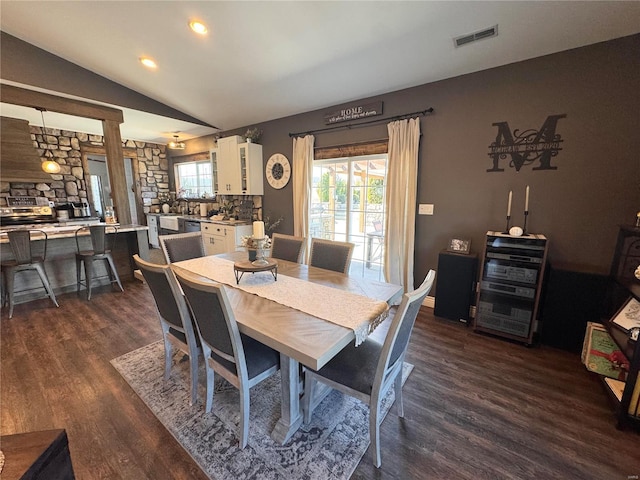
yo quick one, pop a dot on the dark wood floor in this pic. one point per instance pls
(475, 406)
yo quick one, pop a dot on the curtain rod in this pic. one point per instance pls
(355, 125)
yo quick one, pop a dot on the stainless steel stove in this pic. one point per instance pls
(26, 211)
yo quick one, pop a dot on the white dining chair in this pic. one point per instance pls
(287, 247)
(238, 358)
(175, 319)
(182, 246)
(368, 371)
(331, 254)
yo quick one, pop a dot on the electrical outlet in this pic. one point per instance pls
(425, 209)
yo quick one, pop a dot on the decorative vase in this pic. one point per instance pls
(165, 208)
(252, 254)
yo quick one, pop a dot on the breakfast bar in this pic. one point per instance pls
(60, 263)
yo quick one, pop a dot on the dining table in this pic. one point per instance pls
(300, 337)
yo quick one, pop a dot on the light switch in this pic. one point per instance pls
(425, 209)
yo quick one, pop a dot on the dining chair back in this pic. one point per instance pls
(175, 319)
(287, 247)
(182, 246)
(331, 254)
(240, 359)
(367, 372)
(25, 257)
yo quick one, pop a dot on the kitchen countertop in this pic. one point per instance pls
(54, 230)
(198, 218)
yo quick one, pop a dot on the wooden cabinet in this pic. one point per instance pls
(237, 167)
(152, 223)
(223, 238)
(510, 284)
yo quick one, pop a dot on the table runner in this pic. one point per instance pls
(357, 312)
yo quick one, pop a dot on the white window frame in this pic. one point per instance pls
(204, 185)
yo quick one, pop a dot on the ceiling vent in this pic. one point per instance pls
(474, 37)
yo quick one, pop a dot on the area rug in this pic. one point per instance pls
(330, 447)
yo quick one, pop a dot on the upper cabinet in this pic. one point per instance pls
(237, 167)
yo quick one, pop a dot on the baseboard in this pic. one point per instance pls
(429, 302)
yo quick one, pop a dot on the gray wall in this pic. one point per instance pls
(579, 206)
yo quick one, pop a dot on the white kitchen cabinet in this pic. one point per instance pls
(237, 167)
(223, 238)
(152, 223)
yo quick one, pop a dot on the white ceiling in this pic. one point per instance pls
(270, 59)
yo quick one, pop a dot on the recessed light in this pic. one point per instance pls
(198, 27)
(148, 62)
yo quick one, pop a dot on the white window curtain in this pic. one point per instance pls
(402, 184)
(302, 183)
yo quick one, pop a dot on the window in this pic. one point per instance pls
(348, 199)
(194, 179)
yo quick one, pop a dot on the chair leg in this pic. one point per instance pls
(10, 278)
(210, 379)
(115, 272)
(45, 282)
(78, 273)
(244, 415)
(374, 433)
(88, 275)
(309, 387)
(168, 357)
(398, 392)
(193, 366)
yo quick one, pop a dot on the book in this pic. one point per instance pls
(600, 353)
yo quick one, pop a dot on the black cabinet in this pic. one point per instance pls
(510, 285)
(455, 285)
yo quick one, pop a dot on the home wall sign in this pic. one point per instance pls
(353, 113)
(526, 147)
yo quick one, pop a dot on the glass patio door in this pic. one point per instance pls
(347, 205)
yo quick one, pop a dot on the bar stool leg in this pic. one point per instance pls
(10, 277)
(115, 273)
(45, 282)
(78, 273)
(88, 274)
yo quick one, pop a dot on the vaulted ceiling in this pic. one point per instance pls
(270, 59)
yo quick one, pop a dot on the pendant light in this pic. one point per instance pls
(49, 165)
(175, 144)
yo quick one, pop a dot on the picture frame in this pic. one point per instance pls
(627, 317)
(459, 245)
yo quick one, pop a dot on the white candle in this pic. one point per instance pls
(258, 230)
(509, 204)
(526, 200)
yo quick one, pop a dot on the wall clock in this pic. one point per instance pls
(278, 170)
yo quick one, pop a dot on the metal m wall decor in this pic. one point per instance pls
(526, 147)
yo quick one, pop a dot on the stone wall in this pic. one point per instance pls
(70, 185)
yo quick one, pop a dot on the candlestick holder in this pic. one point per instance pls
(260, 260)
(524, 228)
(506, 231)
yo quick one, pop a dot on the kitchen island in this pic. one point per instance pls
(60, 263)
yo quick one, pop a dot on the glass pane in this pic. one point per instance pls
(347, 204)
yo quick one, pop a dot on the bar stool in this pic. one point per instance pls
(25, 258)
(100, 249)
